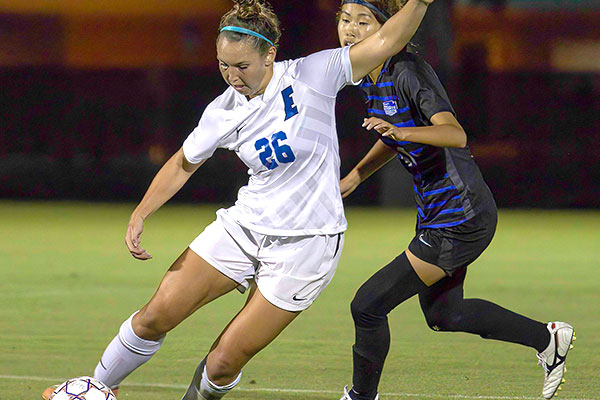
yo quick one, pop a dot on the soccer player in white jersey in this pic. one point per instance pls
(285, 231)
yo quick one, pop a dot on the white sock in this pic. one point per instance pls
(124, 354)
(211, 391)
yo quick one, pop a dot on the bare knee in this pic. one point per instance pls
(224, 365)
(152, 322)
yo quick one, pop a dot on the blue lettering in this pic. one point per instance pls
(290, 107)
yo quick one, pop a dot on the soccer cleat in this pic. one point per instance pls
(192, 392)
(47, 394)
(346, 395)
(554, 357)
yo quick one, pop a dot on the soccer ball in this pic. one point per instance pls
(82, 388)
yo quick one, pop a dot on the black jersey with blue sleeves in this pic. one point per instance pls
(448, 186)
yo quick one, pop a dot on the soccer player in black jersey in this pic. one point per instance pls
(456, 215)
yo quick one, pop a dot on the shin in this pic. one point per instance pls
(124, 354)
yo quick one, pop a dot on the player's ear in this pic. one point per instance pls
(270, 59)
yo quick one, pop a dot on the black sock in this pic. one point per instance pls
(446, 310)
(491, 321)
(379, 295)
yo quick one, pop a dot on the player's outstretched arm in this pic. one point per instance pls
(389, 40)
(377, 157)
(446, 131)
(171, 177)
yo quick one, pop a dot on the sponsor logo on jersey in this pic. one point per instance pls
(390, 107)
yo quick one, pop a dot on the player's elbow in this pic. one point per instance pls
(459, 137)
(461, 141)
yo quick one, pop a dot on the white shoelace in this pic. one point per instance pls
(542, 362)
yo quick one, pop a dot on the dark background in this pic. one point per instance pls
(99, 127)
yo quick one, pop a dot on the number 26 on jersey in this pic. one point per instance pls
(283, 152)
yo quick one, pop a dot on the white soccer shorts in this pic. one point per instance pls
(290, 271)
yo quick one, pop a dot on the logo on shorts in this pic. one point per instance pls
(296, 298)
(423, 240)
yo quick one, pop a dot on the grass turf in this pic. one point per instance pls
(67, 282)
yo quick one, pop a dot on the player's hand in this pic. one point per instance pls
(383, 127)
(133, 238)
(348, 184)
(426, 2)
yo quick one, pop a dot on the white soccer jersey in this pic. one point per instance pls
(287, 138)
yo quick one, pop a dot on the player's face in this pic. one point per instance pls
(356, 24)
(243, 67)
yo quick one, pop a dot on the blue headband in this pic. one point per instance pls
(381, 14)
(247, 32)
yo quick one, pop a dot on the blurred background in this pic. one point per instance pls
(96, 95)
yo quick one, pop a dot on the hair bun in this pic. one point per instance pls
(255, 15)
(248, 9)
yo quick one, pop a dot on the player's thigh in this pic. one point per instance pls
(216, 262)
(427, 272)
(445, 293)
(257, 325)
(190, 283)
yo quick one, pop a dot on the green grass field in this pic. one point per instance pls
(67, 282)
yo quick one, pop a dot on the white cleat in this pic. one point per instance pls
(554, 357)
(346, 395)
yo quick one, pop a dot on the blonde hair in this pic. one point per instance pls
(255, 15)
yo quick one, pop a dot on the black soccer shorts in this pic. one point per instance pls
(455, 247)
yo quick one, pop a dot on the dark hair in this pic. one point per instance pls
(256, 15)
(389, 6)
